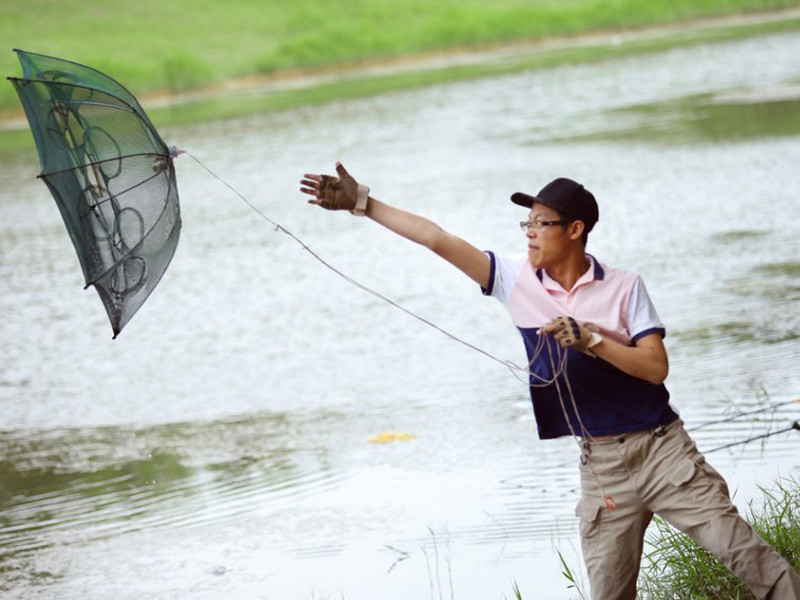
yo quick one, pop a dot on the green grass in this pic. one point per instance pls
(677, 568)
(226, 105)
(154, 45)
(353, 87)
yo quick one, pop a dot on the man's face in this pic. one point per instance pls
(547, 244)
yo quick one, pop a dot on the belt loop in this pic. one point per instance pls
(659, 431)
(587, 450)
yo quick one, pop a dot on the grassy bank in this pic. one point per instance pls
(677, 568)
(153, 45)
(355, 84)
(160, 50)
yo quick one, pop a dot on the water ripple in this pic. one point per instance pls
(42, 506)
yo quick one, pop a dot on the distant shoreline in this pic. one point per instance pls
(302, 87)
(740, 25)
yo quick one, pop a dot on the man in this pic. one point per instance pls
(597, 364)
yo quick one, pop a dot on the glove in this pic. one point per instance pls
(569, 333)
(337, 193)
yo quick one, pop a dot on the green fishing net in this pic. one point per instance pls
(111, 175)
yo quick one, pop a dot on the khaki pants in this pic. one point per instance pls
(661, 471)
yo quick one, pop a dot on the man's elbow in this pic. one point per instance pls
(436, 240)
(658, 375)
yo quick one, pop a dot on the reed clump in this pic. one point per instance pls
(676, 568)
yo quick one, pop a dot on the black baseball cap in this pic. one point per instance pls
(566, 196)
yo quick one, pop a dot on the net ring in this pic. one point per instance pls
(128, 276)
(97, 142)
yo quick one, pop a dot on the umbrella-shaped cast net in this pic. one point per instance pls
(111, 175)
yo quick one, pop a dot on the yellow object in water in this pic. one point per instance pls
(387, 436)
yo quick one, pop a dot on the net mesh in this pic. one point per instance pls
(111, 175)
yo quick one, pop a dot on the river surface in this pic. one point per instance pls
(263, 429)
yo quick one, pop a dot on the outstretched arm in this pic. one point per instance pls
(474, 263)
(340, 193)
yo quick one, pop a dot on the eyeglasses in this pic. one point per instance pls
(538, 225)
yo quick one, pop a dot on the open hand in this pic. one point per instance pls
(336, 193)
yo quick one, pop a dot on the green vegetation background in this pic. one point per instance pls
(166, 48)
(174, 46)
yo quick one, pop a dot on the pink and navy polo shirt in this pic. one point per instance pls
(609, 401)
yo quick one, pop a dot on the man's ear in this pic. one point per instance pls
(575, 229)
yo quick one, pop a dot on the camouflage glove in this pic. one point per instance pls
(337, 193)
(569, 333)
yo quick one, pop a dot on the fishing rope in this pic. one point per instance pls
(585, 437)
(558, 367)
(512, 366)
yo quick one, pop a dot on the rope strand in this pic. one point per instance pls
(558, 368)
(278, 227)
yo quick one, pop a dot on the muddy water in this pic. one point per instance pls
(236, 440)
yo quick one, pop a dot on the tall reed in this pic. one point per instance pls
(676, 568)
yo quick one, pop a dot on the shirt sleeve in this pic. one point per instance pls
(642, 316)
(503, 274)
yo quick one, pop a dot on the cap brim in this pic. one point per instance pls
(523, 199)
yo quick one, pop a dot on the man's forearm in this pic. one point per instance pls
(408, 225)
(647, 360)
(461, 254)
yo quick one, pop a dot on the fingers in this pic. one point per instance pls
(565, 337)
(315, 184)
(310, 184)
(554, 325)
(563, 329)
(325, 189)
(569, 333)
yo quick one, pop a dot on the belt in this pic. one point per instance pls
(657, 432)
